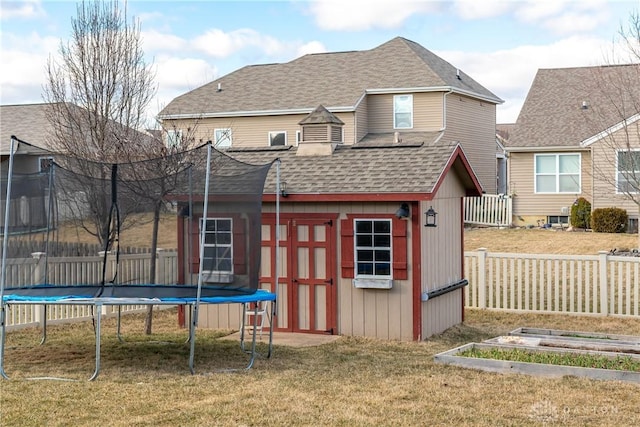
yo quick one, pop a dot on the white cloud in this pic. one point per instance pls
(474, 9)
(24, 58)
(219, 44)
(311, 47)
(564, 17)
(25, 9)
(155, 41)
(358, 15)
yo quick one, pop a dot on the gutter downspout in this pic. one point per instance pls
(444, 110)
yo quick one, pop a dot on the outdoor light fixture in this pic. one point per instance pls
(403, 212)
(430, 219)
(283, 189)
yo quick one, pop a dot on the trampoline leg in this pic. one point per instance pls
(44, 325)
(118, 323)
(98, 324)
(2, 341)
(192, 338)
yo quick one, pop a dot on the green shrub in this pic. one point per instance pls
(609, 220)
(581, 213)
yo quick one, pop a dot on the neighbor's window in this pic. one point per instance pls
(277, 138)
(403, 111)
(628, 171)
(44, 163)
(373, 247)
(218, 245)
(298, 137)
(174, 138)
(222, 138)
(557, 173)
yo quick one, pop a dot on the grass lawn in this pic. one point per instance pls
(350, 382)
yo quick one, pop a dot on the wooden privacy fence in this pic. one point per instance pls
(488, 209)
(601, 284)
(132, 269)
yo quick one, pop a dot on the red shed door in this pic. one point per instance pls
(306, 286)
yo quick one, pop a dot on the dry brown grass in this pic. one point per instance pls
(350, 382)
(543, 241)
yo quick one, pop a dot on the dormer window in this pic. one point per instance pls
(403, 111)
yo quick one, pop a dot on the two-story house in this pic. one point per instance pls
(372, 146)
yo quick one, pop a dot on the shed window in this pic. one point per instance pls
(557, 173)
(277, 138)
(403, 111)
(222, 138)
(628, 171)
(373, 248)
(218, 246)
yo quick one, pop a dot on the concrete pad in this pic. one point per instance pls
(288, 338)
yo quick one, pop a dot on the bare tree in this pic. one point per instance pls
(99, 89)
(611, 112)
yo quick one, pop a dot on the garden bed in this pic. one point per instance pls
(552, 353)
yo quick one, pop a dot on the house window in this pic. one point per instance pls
(558, 219)
(373, 248)
(174, 138)
(628, 171)
(277, 138)
(218, 246)
(403, 111)
(298, 137)
(557, 173)
(222, 138)
(44, 164)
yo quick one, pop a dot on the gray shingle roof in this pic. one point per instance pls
(27, 122)
(388, 168)
(335, 80)
(553, 113)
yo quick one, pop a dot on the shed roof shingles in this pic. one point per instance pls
(395, 168)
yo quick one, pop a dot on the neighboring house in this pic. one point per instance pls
(404, 134)
(29, 123)
(577, 129)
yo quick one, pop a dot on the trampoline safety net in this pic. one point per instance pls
(82, 223)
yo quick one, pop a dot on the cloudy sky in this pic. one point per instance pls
(501, 43)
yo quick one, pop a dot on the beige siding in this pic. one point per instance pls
(473, 123)
(362, 119)
(427, 112)
(253, 131)
(441, 258)
(604, 170)
(531, 206)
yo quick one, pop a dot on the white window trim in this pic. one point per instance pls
(557, 174)
(298, 137)
(355, 252)
(395, 126)
(275, 132)
(205, 245)
(617, 171)
(174, 138)
(40, 159)
(216, 141)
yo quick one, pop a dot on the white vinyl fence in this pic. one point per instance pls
(488, 209)
(132, 269)
(592, 284)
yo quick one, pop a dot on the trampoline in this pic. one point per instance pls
(216, 195)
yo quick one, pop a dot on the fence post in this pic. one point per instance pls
(603, 263)
(482, 281)
(160, 267)
(39, 274)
